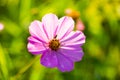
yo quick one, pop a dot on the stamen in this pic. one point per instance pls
(54, 44)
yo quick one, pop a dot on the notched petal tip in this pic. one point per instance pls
(50, 17)
(83, 37)
(65, 26)
(81, 56)
(67, 18)
(49, 14)
(29, 47)
(33, 23)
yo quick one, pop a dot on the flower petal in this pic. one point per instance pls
(74, 55)
(50, 22)
(65, 26)
(70, 45)
(35, 46)
(49, 59)
(36, 30)
(64, 63)
(73, 39)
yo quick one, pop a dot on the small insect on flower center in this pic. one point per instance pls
(54, 44)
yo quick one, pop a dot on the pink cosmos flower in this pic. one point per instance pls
(54, 39)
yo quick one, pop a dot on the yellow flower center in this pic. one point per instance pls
(54, 44)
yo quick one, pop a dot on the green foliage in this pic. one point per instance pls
(102, 48)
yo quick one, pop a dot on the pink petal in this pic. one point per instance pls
(36, 30)
(74, 55)
(35, 46)
(49, 59)
(64, 63)
(73, 39)
(33, 39)
(65, 26)
(50, 22)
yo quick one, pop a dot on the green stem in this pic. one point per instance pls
(24, 69)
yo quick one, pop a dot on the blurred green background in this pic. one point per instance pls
(102, 48)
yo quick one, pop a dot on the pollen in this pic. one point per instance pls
(54, 44)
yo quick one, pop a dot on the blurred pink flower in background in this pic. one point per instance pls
(1, 26)
(55, 39)
(76, 16)
(79, 25)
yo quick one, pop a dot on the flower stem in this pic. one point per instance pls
(24, 69)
